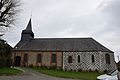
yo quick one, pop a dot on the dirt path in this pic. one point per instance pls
(31, 75)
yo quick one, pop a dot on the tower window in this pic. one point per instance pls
(39, 58)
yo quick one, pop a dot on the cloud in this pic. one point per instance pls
(65, 16)
(112, 13)
(110, 32)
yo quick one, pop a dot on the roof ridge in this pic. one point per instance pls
(63, 38)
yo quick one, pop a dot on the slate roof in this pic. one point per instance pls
(62, 44)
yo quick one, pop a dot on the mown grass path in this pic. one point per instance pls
(69, 74)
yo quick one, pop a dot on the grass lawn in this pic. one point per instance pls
(69, 74)
(9, 71)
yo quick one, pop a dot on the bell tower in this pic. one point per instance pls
(27, 33)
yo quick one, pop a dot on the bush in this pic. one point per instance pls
(4, 62)
(5, 54)
(8, 62)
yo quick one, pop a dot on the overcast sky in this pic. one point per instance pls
(99, 19)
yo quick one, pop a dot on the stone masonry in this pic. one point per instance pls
(86, 63)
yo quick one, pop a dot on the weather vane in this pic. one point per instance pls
(31, 14)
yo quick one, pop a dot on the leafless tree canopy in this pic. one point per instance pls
(8, 10)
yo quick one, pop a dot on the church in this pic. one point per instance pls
(62, 53)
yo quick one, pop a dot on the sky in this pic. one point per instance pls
(99, 19)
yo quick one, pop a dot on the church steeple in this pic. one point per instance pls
(29, 26)
(27, 34)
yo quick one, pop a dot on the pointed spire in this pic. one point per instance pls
(29, 26)
(27, 33)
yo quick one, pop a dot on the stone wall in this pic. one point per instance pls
(105, 66)
(45, 58)
(62, 60)
(86, 61)
(31, 58)
(59, 59)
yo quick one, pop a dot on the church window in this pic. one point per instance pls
(78, 58)
(107, 58)
(25, 57)
(39, 58)
(69, 59)
(93, 59)
(53, 58)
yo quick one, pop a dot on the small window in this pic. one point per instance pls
(53, 58)
(78, 58)
(69, 59)
(25, 57)
(39, 58)
(93, 60)
(107, 58)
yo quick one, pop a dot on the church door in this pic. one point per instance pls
(17, 60)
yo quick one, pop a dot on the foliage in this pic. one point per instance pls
(69, 74)
(8, 11)
(5, 54)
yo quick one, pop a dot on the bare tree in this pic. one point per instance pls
(8, 10)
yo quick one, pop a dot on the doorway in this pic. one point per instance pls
(17, 60)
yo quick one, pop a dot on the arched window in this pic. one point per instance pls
(26, 58)
(69, 59)
(93, 60)
(39, 58)
(78, 58)
(54, 58)
(107, 58)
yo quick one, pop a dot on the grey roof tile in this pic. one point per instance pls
(62, 44)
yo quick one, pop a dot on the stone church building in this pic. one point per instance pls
(62, 53)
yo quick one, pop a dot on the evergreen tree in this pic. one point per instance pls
(5, 54)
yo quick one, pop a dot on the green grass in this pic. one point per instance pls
(9, 71)
(69, 74)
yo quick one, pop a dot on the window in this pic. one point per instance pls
(78, 58)
(93, 60)
(69, 59)
(53, 58)
(107, 58)
(39, 58)
(25, 57)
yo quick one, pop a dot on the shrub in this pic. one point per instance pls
(5, 54)
(2, 62)
(5, 62)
